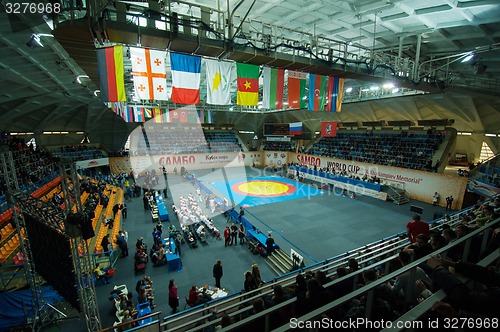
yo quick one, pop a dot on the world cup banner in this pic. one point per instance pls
(329, 129)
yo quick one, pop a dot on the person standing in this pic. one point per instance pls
(227, 236)
(173, 296)
(435, 199)
(105, 243)
(241, 234)
(241, 214)
(234, 234)
(116, 208)
(217, 272)
(269, 244)
(256, 275)
(416, 227)
(449, 202)
(123, 207)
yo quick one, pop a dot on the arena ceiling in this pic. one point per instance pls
(47, 89)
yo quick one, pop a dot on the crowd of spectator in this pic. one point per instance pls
(79, 152)
(184, 140)
(279, 146)
(391, 299)
(406, 149)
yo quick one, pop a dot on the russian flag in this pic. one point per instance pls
(185, 78)
(296, 128)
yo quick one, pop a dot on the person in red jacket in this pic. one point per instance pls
(227, 236)
(415, 227)
(173, 297)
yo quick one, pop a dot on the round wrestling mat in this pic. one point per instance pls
(263, 188)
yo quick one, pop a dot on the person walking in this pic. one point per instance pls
(218, 273)
(173, 296)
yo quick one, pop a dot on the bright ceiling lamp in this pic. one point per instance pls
(469, 57)
(349, 89)
(374, 88)
(388, 86)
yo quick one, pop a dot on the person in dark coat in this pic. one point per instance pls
(105, 243)
(116, 208)
(122, 244)
(217, 272)
(269, 244)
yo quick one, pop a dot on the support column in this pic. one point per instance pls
(417, 59)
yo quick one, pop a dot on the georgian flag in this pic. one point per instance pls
(149, 73)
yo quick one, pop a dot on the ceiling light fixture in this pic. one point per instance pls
(349, 89)
(388, 86)
(79, 77)
(469, 57)
(34, 41)
(374, 88)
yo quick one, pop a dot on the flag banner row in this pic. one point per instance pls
(160, 115)
(281, 89)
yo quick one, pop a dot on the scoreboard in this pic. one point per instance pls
(276, 129)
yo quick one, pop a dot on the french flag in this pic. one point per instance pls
(296, 128)
(185, 78)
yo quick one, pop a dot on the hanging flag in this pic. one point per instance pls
(174, 115)
(335, 91)
(329, 129)
(138, 114)
(248, 84)
(128, 114)
(296, 128)
(185, 78)
(296, 89)
(218, 82)
(201, 116)
(117, 107)
(209, 116)
(161, 115)
(148, 70)
(111, 74)
(317, 92)
(272, 92)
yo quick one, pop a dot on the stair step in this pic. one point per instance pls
(284, 257)
(281, 264)
(274, 267)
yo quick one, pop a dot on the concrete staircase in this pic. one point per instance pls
(280, 262)
(397, 195)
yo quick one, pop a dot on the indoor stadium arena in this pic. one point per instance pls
(249, 165)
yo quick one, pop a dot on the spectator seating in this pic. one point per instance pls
(377, 255)
(407, 150)
(183, 140)
(279, 146)
(79, 152)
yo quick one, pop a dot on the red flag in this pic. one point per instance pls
(329, 129)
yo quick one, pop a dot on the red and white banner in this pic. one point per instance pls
(329, 129)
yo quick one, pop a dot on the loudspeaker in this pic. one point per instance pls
(416, 209)
(174, 25)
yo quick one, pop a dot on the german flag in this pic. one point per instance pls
(111, 76)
